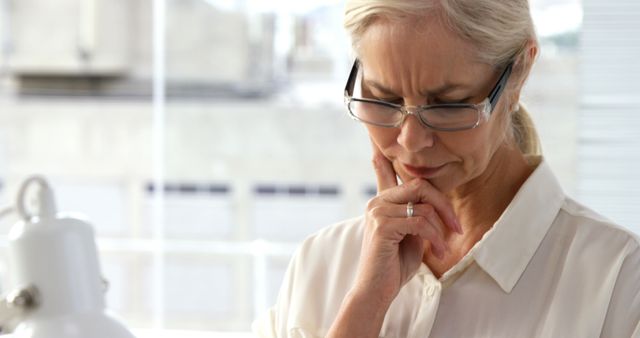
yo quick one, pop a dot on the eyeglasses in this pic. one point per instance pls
(442, 117)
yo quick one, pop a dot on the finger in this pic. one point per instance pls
(434, 219)
(420, 210)
(385, 174)
(401, 211)
(427, 231)
(420, 191)
(397, 228)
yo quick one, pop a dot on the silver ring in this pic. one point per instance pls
(410, 209)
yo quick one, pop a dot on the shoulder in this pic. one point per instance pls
(327, 260)
(584, 221)
(592, 247)
(319, 275)
(598, 262)
(338, 238)
(609, 252)
(612, 252)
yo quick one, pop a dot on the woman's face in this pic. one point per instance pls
(426, 65)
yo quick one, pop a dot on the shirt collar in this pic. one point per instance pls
(506, 249)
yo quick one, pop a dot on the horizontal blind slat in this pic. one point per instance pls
(608, 170)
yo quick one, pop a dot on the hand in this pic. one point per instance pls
(394, 244)
(392, 247)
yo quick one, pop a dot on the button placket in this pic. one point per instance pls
(429, 307)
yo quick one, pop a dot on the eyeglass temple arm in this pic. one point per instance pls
(348, 89)
(495, 94)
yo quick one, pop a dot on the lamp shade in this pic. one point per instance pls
(57, 255)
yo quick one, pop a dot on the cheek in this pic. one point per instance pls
(472, 148)
(464, 144)
(383, 137)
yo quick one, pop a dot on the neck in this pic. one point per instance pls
(481, 201)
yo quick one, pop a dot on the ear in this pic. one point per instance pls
(522, 67)
(525, 60)
(531, 50)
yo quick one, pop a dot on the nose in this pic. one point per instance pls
(414, 136)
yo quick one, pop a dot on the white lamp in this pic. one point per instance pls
(58, 291)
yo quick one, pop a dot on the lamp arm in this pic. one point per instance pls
(15, 305)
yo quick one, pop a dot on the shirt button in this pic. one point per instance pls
(429, 291)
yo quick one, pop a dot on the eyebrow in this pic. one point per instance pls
(438, 91)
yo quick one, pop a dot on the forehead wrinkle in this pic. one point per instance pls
(398, 87)
(399, 55)
(394, 70)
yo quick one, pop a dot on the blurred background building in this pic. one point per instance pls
(257, 149)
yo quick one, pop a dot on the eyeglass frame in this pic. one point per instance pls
(484, 108)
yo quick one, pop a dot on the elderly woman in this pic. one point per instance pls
(478, 239)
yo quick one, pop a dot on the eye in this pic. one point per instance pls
(393, 100)
(452, 101)
(369, 95)
(396, 100)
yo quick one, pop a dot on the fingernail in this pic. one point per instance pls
(442, 250)
(459, 226)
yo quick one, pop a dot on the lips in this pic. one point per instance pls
(424, 172)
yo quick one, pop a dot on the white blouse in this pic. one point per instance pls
(549, 267)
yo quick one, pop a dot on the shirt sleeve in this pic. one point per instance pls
(318, 277)
(272, 323)
(264, 326)
(623, 315)
(277, 322)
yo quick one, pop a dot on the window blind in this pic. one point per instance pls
(608, 168)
